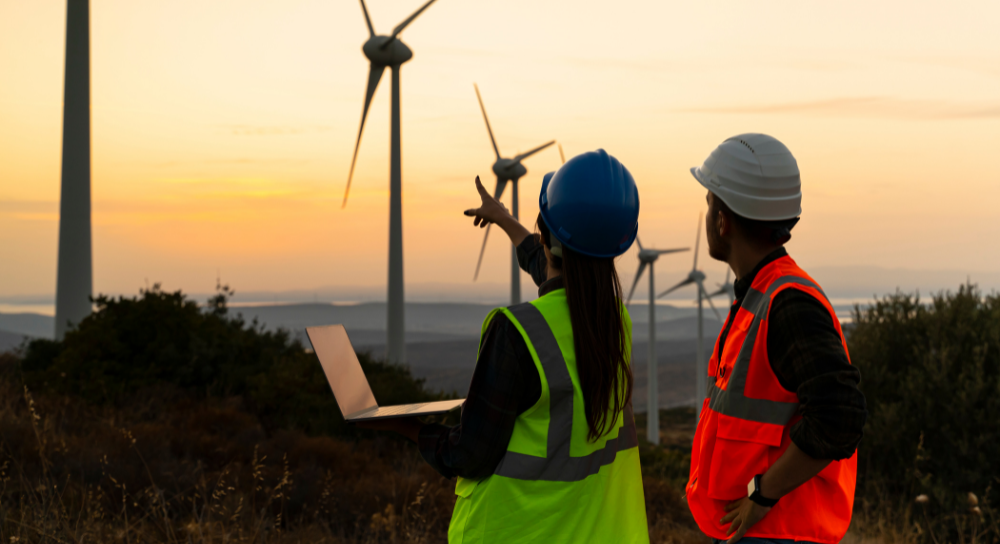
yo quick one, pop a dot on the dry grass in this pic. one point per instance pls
(172, 470)
(169, 469)
(888, 521)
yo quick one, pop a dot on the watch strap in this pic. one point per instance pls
(756, 497)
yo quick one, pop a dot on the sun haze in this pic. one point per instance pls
(223, 131)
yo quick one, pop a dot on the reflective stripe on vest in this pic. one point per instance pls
(558, 465)
(739, 436)
(732, 401)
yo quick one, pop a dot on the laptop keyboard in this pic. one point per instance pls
(396, 410)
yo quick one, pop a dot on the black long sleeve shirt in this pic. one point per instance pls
(803, 347)
(808, 359)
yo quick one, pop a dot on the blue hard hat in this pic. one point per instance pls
(591, 205)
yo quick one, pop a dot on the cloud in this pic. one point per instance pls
(257, 130)
(866, 106)
(981, 65)
(14, 206)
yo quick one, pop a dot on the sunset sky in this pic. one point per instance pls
(223, 130)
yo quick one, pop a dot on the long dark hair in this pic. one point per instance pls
(594, 294)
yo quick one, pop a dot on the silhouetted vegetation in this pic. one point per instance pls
(161, 421)
(931, 375)
(162, 340)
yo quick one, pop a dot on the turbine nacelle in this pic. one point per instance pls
(509, 169)
(389, 52)
(648, 255)
(506, 170)
(386, 51)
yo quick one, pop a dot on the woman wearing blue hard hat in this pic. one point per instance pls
(546, 450)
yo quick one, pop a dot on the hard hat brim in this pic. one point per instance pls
(694, 172)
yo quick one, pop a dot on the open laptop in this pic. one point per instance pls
(349, 384)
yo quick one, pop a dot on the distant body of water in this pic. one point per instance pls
(42, 309)
(843, 306)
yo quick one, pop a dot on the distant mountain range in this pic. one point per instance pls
(428, 321)
(840, 282)
(443, 320)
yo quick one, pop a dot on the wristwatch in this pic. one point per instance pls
(753, 493)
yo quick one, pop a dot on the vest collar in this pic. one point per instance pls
(548, 286)
(742, 285)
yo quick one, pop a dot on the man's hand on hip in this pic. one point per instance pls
(743, 514)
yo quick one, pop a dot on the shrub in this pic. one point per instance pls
(931, 375)
(163, 340)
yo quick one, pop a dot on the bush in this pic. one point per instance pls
(181, 470)
(163, 340)
(931, 375)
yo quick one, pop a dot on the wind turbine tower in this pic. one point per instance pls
(74, 273)
(389, 51)
(506, 170)
(697, 277)
(647, 257)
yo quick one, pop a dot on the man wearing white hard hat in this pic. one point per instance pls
(774, 456)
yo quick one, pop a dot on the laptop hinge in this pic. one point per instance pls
(362, 413)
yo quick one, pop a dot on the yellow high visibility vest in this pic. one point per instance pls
(554, 485)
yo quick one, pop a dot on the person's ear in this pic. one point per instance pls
(723, 225)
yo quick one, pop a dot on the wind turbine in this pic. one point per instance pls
(726, 289)
(74, 270)
(647, 257)
(697, 277)
(389, 51)
(506, 170)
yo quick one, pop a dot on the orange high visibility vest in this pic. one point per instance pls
(745, 423)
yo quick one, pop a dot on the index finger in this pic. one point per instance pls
(482, 190)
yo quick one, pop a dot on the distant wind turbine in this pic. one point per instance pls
(389, 51)
(697, 277)
(74, 270)
(647, 257)
(506, 170)
(726, 289)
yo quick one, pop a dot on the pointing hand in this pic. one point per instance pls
(491, 210)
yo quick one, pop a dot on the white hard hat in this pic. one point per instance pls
(756, 176)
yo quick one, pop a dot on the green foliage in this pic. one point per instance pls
(160, 339)
(931, 376)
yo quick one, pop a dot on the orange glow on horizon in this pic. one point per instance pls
(223, 131)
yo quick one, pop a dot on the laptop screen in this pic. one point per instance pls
(342, 369)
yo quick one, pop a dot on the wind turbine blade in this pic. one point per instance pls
(561, 155)
(697, 243)
(371, 29)
(677, 250)
(487, 119)
(523, 156)
(638, 241)
(399, 28)
(688, 281)
(501, 186)
(701, 291)
(638, 276)
(481, 251)
(374, 75)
